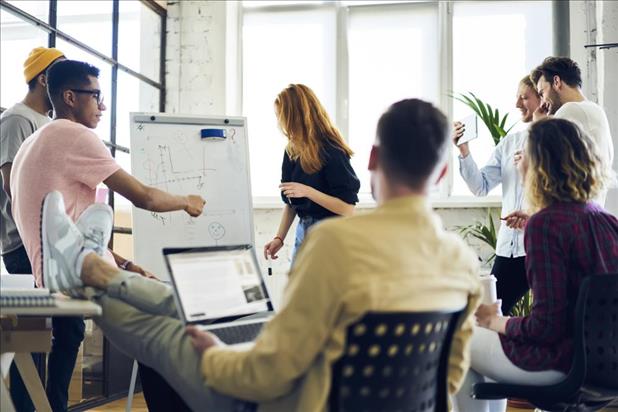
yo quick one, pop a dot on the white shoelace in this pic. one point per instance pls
(97, 236)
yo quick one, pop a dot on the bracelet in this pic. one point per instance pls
(125, 264)
(280, 240)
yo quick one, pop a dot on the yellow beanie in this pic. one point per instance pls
(38, 60)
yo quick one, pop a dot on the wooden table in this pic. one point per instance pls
(24, 330)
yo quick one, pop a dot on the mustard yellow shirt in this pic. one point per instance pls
(396, 258)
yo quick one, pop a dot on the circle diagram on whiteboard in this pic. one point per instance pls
(216, 230)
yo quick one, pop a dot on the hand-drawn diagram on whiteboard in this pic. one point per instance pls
(170, 153)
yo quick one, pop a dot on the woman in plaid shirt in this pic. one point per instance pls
(568, 238)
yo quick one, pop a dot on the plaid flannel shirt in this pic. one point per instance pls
(564, 242)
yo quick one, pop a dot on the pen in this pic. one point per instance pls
(270, 266)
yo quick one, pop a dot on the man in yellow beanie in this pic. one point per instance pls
(16, 124)
(38, 61)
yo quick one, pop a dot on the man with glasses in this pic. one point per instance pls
(67, 156)
(16, 124)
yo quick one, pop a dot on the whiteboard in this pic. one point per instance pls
(168, 152)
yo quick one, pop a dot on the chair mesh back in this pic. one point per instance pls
(394, 362)
(601, 331)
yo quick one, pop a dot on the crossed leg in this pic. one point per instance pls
(139, 318)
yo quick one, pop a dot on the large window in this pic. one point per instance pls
(361, 56)
(495, 44)
(17, 38)
(124, 40)
(384, 46)
(305, 54)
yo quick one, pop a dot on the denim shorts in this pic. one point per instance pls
(301, 231)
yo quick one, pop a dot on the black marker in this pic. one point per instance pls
(270, 266)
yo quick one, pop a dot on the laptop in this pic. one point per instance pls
(220, 289)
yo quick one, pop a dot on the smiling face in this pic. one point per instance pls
(549, 94)
(216, 230)
(527, 102)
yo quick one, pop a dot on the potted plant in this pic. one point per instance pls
(491, 117)
(485, 232)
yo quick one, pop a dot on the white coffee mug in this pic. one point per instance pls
(490, 295)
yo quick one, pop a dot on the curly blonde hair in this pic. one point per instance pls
(563, 166)
(304, 121)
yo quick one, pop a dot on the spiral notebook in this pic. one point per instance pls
(26, 298)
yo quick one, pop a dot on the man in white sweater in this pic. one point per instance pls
(558, 81)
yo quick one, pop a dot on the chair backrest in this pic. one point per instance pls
(596, 330)
(396, 361)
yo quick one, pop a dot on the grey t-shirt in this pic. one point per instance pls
(16, 124)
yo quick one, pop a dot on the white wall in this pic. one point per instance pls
(596, 22)
(195, 57)
(607, 63)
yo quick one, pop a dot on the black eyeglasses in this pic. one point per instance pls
(97, 94)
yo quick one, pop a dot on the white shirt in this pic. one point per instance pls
(591, 118)
(500, 169)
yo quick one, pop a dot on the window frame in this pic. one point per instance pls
(445, 9)
(51, 27)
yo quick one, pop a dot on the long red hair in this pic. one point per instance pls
(304, 121)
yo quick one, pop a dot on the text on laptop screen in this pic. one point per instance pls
(217, 284)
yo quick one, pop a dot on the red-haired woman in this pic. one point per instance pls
(317, 179)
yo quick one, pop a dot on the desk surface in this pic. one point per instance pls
(64, 307)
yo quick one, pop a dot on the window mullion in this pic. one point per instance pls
(53, 21)
(342, 117)
(445, 17)
(114, 97)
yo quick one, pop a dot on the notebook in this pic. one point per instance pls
(26, 297)
(220, 289)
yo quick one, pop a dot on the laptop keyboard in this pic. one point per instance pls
(238, 333)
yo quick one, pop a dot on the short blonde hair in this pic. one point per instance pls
(563, 164)
(526, 81)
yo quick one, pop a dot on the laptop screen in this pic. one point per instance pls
(219, 282)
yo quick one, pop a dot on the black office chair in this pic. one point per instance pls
(394, 362)
(592, 382)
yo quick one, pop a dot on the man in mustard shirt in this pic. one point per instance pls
(396, 258)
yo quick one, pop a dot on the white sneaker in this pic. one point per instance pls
(62, 246)
(95, 223)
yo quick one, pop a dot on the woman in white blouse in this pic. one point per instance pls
(500, 169)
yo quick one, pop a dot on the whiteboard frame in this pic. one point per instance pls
(186, 119)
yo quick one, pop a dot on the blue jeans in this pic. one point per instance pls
(301, 231)
(67, 335)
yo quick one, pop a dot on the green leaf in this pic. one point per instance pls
(503, 122)
(490, 116)
(465, 100)
(509, 129)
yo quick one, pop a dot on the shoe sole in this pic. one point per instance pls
(45, 251)
(42, 230)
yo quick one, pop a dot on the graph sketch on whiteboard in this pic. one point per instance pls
(174, 167)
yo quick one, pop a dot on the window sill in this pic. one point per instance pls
(454, 202)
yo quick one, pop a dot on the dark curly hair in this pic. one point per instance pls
(563, 67)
